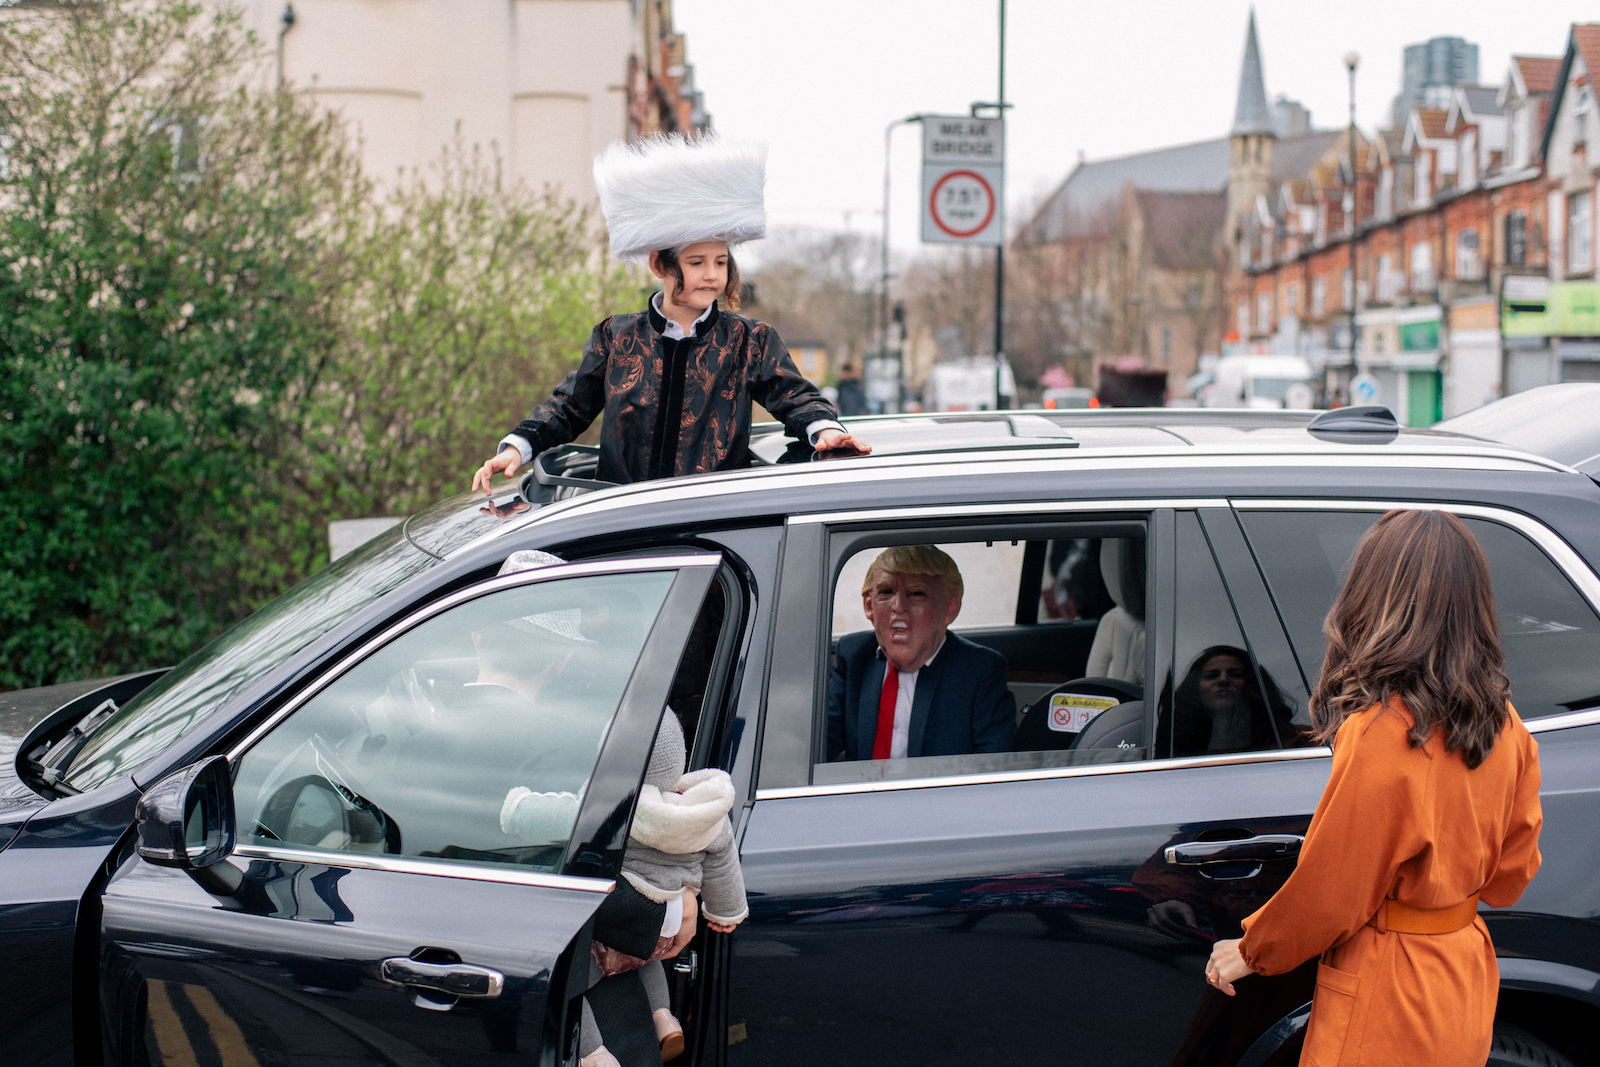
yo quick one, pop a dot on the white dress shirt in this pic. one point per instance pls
(675, 332)
(901, 736)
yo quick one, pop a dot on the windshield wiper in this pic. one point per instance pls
(49, 765)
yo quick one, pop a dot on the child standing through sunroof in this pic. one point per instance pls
(674, 384)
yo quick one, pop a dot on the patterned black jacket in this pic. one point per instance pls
(675, 407)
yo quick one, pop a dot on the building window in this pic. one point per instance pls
(1469, 265)
(1319, 296)
(1294, 299)
(1385, 279)
(1422, 279)
(1517, 239)
(1424, 177)
(1579, 257)
(1347, 291)
(1469, 159)
(1242, 319)
(1166, 344)
(1264, 313)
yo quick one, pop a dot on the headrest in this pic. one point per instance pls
(1122, 568)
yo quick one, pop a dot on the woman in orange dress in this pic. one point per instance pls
(1432, 806)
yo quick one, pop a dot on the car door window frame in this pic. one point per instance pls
(1566, 559)
(594, 849)
(787, 729)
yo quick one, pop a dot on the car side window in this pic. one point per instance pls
(1218, 697)
(470, 737)
(1550, 633)
(1048, 637)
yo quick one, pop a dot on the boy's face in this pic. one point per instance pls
(705, 274)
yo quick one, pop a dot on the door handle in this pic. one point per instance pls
(451, 979)
(1253, 849)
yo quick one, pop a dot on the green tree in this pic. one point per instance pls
(170, 272)
(215, 335)
(474, 296)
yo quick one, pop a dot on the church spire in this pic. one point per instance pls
(1251, 115)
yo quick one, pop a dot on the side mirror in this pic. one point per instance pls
(186, 821)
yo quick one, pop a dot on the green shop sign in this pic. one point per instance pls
(1419, 336)
(1560, 309)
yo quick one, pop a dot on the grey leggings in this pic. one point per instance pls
(654, 977)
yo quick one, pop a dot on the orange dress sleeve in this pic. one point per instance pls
(1360, 835)
(1519, 858)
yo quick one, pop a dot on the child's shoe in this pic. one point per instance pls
(600, 1057)
(670, 1032)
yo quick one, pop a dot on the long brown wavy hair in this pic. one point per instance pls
(1416, 620)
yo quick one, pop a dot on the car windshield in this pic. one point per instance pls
(206, 680)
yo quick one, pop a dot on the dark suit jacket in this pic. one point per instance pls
(961, 703)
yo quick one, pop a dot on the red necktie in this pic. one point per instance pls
(886, 703)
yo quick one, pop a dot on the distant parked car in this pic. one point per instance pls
(292, 848)
(1069, 397)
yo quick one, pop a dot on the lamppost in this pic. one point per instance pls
(883, 280)
(1351, 60)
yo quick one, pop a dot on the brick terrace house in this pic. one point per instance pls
(1469, 269)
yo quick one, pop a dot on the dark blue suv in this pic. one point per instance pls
(300, 845)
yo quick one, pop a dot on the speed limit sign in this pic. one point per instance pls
(962, 203)
(963, 180)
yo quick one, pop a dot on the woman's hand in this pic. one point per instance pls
(722, 928)
(836, 441)
(685, 934)
(505, 463)
(1226, 965)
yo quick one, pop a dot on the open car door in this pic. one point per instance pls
(424, 834)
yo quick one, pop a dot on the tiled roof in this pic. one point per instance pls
(1538, 72)
(1431, 119)
(1586, 38)
(796, 330)
(1295, 156)
(1085, 205)
(1481, 99)
(1183, 228)
(1251, 114)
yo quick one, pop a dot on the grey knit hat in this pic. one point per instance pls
(668, 756)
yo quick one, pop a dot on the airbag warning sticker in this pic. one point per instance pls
(1071, 712)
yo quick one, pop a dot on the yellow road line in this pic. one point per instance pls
(225, 1033)
(171, 1042)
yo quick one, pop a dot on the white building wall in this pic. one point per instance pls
(543, 81)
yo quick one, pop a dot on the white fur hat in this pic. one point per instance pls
(668, 192)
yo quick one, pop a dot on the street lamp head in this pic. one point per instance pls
(1352, 60)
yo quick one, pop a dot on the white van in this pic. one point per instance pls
(1261, 382)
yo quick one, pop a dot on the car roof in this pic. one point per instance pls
(932, 446)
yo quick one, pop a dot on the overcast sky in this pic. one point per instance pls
(819, 80)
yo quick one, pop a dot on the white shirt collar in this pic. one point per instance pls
(930, 659)
(674, 330)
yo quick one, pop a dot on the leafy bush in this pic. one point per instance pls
(215, 334)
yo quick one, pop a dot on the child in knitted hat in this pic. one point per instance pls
(679, 846)
(674, 384)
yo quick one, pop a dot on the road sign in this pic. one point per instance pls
(1364, 390)
(963, 180)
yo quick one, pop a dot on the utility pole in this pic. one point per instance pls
(1351, 60)
(1000, 249)
(883, 280)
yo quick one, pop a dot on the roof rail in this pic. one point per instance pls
(1375, 425)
